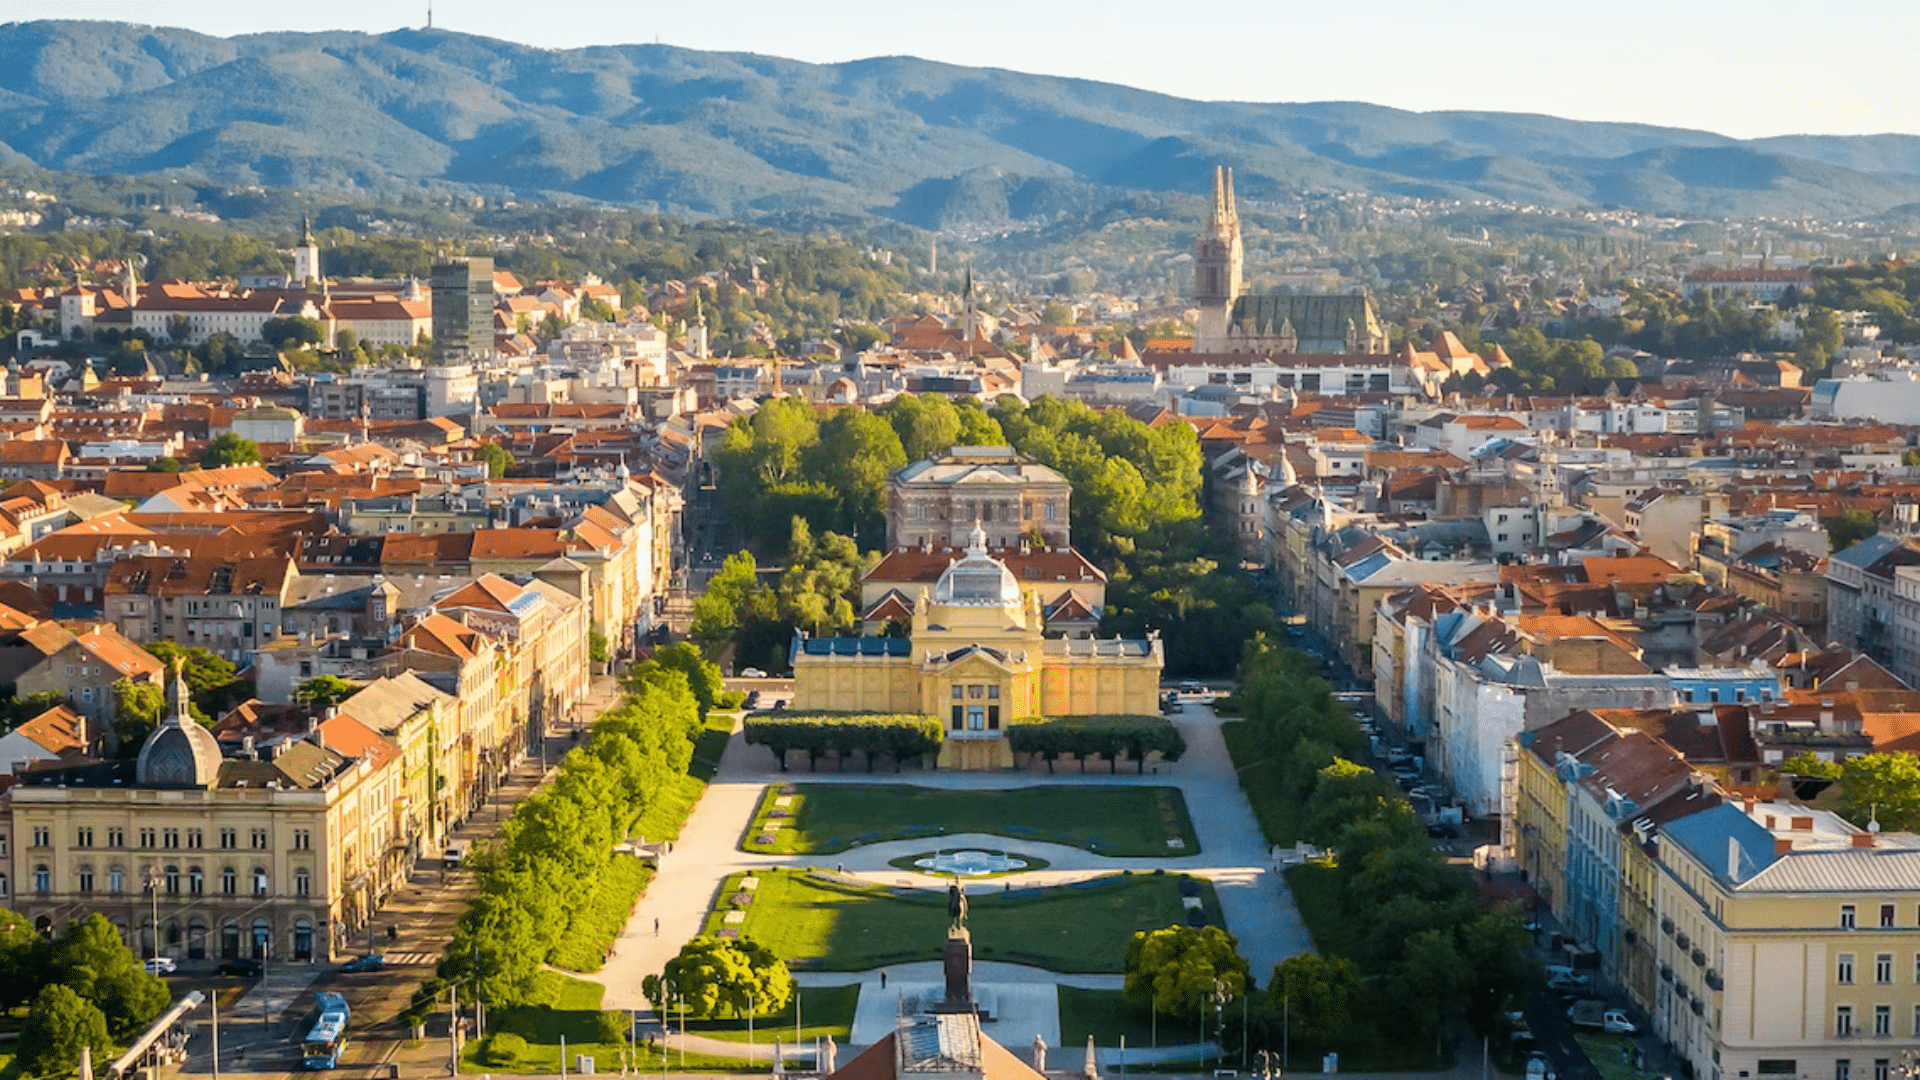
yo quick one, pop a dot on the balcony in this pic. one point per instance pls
(1699, 958)
(1683, 941)
(1714, 981)
(1666, 973)
(1666, 927)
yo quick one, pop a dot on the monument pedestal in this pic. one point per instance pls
(958, 964)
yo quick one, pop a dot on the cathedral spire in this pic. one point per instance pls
(306, 231)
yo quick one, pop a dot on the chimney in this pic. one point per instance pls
(1863, 839)
(1801, 823)
(1747, 805)
(1782, 845)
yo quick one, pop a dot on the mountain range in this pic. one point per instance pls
(706, 133)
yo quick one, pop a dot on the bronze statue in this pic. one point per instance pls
(957, 904)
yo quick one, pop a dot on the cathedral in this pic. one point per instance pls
(1342, 324)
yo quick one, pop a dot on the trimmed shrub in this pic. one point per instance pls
(503, 1048)
(1110, 736)
(899, 736)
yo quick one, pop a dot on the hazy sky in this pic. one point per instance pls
(1758, 67)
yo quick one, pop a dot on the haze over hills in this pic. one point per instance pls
(690, 132)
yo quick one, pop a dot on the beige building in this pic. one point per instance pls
(935, 503)
(976, 657)
(1788, 945)
(257, 854)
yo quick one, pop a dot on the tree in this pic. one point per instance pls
(346, 340)
(498, 458)
(212, 679)
(1431, 980)
(324, 690)
(1850, 528)
(1175, 970)
(1314, 996)
(702, 675)
(164, 464)
(90, 958)
(58, 1025)
(230, 449)
(24, 956)
(138, 708)
(711, 974)
(1882, 787)
(295, 331)
(1056, 314)
(1808, 763)
(733, 603)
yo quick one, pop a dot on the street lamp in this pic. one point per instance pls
(151, 883)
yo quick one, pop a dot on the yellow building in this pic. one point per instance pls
(977, 657)
(1788, 943)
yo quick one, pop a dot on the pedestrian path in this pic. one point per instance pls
(1233, 855)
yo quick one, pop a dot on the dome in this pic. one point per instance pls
(180, 753)
(979, 580)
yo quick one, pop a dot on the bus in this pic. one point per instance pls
(328, 1039)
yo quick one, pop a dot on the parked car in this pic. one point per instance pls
(242, 966)
(1192, 686)
(1443, 831)
(1538, 1068)
(456, 853)
(160, 965)
(1595, 1014)
(1172, 705)
(365, 962)
(753, 699)
(753, 673)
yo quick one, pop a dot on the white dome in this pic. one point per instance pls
(979, 580)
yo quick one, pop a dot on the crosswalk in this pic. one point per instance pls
(421, 957)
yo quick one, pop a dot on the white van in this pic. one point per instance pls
(455, 853)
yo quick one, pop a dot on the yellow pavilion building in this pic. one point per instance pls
(977, 657)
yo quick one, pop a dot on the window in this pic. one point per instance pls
(1883, 969)
(170, 838)
(229, 881)
(42, 879)
(227, 840)
(1843, 971)
(116, 836)
(86, 878)
(196, 881)
(1842, 1069)
(146, 838)
(1843, 1020)
(172, 876)
(1883, 1019)
(259, 881)
(260, 839)
(195, 839)
(302, 840)
(83, 836)
(1882, 1069)
(1846, 917)
(1886, 914)
(42, 836)
(302, 883)
(116, 880)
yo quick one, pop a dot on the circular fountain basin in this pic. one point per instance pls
(970, 863)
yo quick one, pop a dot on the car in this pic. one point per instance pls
(245, 967)
(456, 853)
(1442, 831)
(1192, 686)
(752, 673)
(1170, 707)
(1538, 1068)
(365, 962)
(753, 699)
(1567, 984)
(1569, 974)
(779, 704)
(160, 965)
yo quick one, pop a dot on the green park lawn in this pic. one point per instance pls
(823, 922)
(1106, 1015)
(825, 1011)
(1279, 817)
(1604, 1051)
(573, 1015)
(1129, 822)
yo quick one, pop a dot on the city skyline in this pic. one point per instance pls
(1667, 64)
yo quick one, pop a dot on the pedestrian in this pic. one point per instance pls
(656, 928)
(883, 978)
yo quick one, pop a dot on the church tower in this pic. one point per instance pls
(1218, 260)
(306, 257)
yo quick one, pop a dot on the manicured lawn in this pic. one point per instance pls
(573, 1015)
(1106, 1015)
(1604, 1051)
(822, 922)
(822, 819)
(1279, 816)
(824, 1011)
(601, 915)
(906, 862)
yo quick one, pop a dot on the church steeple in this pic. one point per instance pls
(1218, 263)
(306, 256)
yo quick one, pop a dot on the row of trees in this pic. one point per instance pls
(559, 842)
(815, 593)
(84, 988)
(903, 737)
(1096, 736)
(1412, 949)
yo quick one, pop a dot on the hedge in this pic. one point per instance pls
(1105, 735)
(900, 736)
